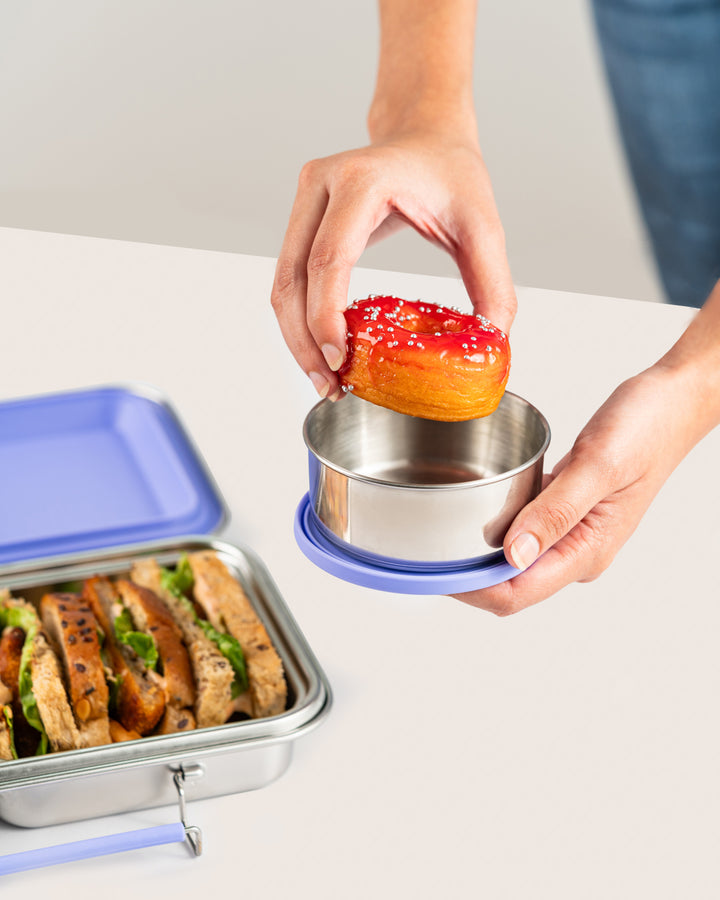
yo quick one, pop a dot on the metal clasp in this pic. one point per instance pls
(180, 776)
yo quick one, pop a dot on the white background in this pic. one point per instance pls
(566, 753)
(186, 123)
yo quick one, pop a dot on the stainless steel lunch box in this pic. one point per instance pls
(239, 756)
(391, 487)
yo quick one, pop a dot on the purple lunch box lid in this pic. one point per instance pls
(378, 575)
(98, 467)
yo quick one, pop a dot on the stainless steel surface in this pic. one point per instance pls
(193, 834)
(418, 490)
(238, 756)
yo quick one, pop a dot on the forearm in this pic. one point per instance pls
(693, 363)
(425, 67)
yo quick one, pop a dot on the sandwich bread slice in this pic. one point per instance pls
(150, 616)
(212, 671)
(138, 695)
(73, 629)
(228, 609)
(36, 678)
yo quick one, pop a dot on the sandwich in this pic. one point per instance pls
(155, 691)
(161, 651)
(74, 632)
(227, 607)
(41, 716)
(217, 681)
(218, 620)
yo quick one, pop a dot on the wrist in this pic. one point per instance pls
(425, 68)
(693, 362)
(392, 116)
(693, 397)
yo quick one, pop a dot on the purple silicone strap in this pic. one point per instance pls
(100, 846)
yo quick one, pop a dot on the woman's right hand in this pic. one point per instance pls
(436, 182)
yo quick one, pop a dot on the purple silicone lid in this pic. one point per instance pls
(99, 467)
(380, 576)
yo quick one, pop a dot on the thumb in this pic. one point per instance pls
(565, 502)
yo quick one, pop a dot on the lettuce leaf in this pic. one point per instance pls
(143, 644)
(231, 650)
(179, 583)
(68, 587)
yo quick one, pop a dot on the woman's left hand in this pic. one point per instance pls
(598, 493)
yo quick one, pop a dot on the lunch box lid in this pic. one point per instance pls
(382, 575)
(99, 467)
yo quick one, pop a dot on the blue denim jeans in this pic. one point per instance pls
(663, 64)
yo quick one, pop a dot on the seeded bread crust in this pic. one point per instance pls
(175, 720)
(51, 698)
(141, 698)
(213, 673)
(215, 589)
(73, 630)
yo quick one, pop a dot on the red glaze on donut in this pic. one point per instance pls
(424, 360)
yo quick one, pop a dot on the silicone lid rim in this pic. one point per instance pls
(333, 560)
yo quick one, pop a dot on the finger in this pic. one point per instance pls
(562, 564)
(583, 554)
(568, 498)
(482, 259)
(289, 291)
(349, 220)
(560, 464)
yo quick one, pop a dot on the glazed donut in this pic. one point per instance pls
(424, 360)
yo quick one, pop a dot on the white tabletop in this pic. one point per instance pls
(567, 752)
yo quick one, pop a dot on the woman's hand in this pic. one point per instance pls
(599, 491)
(423, 167)
(436, 182)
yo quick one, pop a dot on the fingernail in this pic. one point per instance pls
(336, 396)
(524, 550)
(321, 385)
(333, 356)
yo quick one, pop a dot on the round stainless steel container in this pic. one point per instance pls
(403, 489)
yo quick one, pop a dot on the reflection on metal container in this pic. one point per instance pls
(421, 491)
(237, 756)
